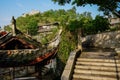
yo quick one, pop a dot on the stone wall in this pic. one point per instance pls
(104, 40)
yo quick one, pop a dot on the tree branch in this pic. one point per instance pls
(116, 13)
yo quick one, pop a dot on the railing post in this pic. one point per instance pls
(79, 46)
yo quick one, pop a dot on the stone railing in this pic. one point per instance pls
(117, 51)
(68, 70)
(103, 40)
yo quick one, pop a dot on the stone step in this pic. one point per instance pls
(100, 52)
(117, 50)
(92, 77)
(97, 50)
(96, 72)
(98, 60)
(98, 64)
(102, 68)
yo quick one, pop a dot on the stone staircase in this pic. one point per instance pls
(98, 65)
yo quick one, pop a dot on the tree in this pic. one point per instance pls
(100, 24)
(105, 5)
(87, 24)
(8, 28)
(32, 27)
(28, 24)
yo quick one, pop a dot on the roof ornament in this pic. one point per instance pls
(13, 21)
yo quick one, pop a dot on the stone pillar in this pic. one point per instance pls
(13, 26)
(79, 39)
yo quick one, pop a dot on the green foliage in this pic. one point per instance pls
(88, 25)
(28, 24)
(66, 46)
(114, 28)
(8, 28)
(32, 27)
(100, 24)
(44, 40)
(74, 25)
(104, 5)
(49, 37)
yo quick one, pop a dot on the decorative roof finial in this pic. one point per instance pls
(13, 21)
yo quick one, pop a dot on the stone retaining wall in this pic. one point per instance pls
(104, 40)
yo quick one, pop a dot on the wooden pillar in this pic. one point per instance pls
(26, 70)
(12, 74)
(38, 69)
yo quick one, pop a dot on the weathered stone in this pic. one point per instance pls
(67, 73)
(104, 40)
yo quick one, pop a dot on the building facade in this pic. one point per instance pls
(114, 22)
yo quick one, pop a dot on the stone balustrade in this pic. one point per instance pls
(103, 40)
(68, 70)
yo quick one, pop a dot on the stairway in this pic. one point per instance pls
(93, 66)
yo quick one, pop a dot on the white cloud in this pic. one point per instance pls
(20, 5)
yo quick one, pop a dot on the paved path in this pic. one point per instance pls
(94, 64)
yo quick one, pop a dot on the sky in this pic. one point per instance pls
(16, 8)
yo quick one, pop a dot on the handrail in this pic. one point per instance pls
(68, 70)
